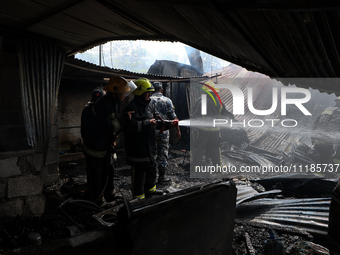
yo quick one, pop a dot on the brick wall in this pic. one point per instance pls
(21, 184)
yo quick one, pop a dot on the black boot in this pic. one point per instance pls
(161, 177)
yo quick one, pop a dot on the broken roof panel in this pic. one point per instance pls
(275, 139)
(309, 214)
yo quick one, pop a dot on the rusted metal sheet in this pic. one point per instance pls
(309, 214)
(41, 65)
(247, 193)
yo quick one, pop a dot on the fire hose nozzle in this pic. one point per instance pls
(163, 125)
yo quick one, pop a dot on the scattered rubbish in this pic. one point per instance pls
(75, 230)
(108, 217)
(34, 238)
(81, 203)
(309, 248)
(299, 185)
(250, 247)
(300, 153)
(191, 210)
(274, 245)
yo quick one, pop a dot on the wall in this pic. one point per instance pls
(23, 172)
(72, 99)
(12, 129)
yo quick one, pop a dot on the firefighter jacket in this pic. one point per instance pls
(104, 123)
(140, 136)
(87, 117)
(164, 106)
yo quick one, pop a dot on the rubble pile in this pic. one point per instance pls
(68, 214)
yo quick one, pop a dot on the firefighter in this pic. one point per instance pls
(207, 139)
(166, 110)
(87, 118)
(140, 140)
(325, 136)
(87, 114)
(98, 145)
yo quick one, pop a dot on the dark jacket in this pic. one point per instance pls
(105, 124)
(140, 136)
(87, 118)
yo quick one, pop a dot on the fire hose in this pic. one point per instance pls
(163, 125)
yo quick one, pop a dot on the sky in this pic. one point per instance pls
(139, 55)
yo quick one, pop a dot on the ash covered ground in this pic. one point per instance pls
(16, 234)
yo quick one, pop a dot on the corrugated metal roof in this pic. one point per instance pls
(276, 38)
(309, 214)
(82, 70)
(274, 139)
(247, 193)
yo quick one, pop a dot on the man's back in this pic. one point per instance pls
(164, 106)
(87, 118)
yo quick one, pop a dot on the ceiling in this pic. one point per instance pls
(276, 38)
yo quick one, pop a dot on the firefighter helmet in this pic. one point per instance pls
(211, 84)
(117, 84)
(143, 85)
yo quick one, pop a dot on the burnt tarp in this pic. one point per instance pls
(41, 65)
(196, 220)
